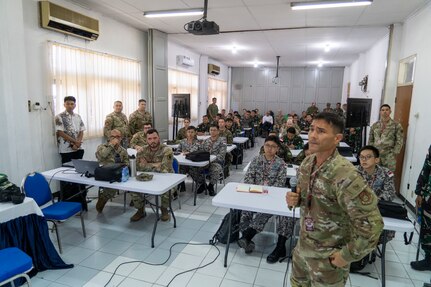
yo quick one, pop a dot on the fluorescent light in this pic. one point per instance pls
(174, 13)
(234, 50)
(255, 64)
(320, 64)
(329, 4)
(327, 48)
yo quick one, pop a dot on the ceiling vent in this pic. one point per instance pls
(213, 69)
(66, 21)
(185, 61)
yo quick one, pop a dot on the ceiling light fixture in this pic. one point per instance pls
(174, 13)
(234, 50)
(329, 4)
(320, 64)
(276, 79)
(327, 48)
(255, 64)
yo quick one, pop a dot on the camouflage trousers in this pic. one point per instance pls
(137, 198)
(214, 171)
(425, 238)
(316, 272)
(257, 221)
(388, 160)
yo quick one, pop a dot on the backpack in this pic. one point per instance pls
(222, 232)
(198, 155)
(9, 191)
(397, 211)
(110, 172)
(357, 266)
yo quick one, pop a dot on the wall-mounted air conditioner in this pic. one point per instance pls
(66, 21)
(185, 61)
(213, 69)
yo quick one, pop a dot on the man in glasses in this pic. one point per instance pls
(340, 221)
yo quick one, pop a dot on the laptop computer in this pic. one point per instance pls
(85, 166)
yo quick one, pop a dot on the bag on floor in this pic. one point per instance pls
(223, 231)
(357, 266)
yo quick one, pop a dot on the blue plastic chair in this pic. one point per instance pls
(35, 186)
(14, 264)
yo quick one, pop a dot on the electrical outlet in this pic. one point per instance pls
(29, 105)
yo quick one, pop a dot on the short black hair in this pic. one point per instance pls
(219, 115)
(228, 120)
(385, 105)
(191, 128)
(273, 139)
(306, 147)
(237, 116)
(204, 116)
(291, 130)
(333, 119)
(214, 126)
(69, 98)
(148, 123)
(142, 100)
(371, 148)
(151, 131)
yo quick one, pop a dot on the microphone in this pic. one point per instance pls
(293, 183)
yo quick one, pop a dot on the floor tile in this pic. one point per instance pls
(147, 273)
(116, 247)
(95, 242)
(130, 282)
(210, 281)
(266, 277)
(98, 260)
(122, 266)
(102, 279)
(76, 255)
(78, 276)
(241, 273)
(231, 283)
(187, 261)
(179, 280)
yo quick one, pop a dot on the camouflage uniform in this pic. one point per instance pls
(339, 112)
(182, 134)
(217, 148)
(389, 140)
(137, 121)
(117, 121)
(311, 110)
(279, 121)
(213, 108)
(163, 155)
(107, 154)
(299, 158)
(185, 146)
(283, 152)
(302, 123)
(139, 139)
(229, 140)
(343, 216)
(204, 128)
(423, 188)
(328, 110)
(353, 140)
(297, 141)
(269, 173)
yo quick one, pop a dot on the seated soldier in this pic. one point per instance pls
(302, 155)
(139, 139)
(225, 133)
(216, 146)
(110, 152)
(283, 152)
(353, 138)
(182, 132)
(154, 157)
(289, 124)
(229, 126)
(306, 125)
(270, 170)
(204, 127)
(237, 125)
(292, 140)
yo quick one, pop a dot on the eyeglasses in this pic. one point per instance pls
(115, 137)
(366, 157)
(271, 146)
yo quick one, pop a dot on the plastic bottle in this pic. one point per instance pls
(125, 174)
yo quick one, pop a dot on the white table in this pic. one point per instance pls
(230, 148)
(9, 211)
(201, 138)
(173, 146)
(240, 140)
(181, 158)
(161, 183)
(295, 152)
(290, 170)
(274, 203)
(304, 136)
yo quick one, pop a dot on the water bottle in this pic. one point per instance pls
(132, 165)
(125, 174)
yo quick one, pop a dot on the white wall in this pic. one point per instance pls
(371, 63)
(416, 40)
(30, 140)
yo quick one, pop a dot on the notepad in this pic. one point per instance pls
(249, 188)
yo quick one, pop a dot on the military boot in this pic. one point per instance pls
(165, 214)
(422, 265)
(279, 251)
(211, 190)
(246, 242)
(140, 213)
(101, 202)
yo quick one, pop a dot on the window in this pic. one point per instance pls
(183, 83)
(217, 89)
(96, 80)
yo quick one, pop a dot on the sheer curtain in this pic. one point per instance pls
(217, 89)
(96, 80)
(184, 83)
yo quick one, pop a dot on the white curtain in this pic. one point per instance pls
(217, 89)
(184, 83)
(96, 80)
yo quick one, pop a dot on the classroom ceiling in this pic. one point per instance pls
(299, 37)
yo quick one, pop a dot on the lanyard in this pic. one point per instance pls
(313, 177)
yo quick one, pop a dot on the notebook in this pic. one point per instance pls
(249, 188)
(84, 166)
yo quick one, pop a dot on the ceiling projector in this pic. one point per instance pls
(202, 27)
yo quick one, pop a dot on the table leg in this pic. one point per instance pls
(383, 259)
(155, 221)
(170, 208)
(228, 238)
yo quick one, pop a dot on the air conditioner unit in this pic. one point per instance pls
(213, 69)
(66, 21)
(185, 61)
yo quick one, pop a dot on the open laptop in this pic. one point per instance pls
(85, 166)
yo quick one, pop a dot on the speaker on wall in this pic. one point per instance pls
(358, 112)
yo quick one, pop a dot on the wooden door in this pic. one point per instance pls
(401, 115)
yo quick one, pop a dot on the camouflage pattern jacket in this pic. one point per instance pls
(381, 182)
(106, 154)
(423, 186)
(342, 207)
(203, 128)
(182, 134)
(139, 139)
(217, 148)
(297, 141)
(227, 135)
(137, 121)
(159, 160)
(266, 172)
(116, 121)
(185, 146)
(283, 152)
(389, 138)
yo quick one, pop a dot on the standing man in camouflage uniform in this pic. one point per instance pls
(139, 118)
(340, 221)
(70, 129)
(139, 140)
(328, 108)
(313, 109)
(215, 145)
(423, 200)
(387, 136)
(108, 153)
(292, 140)
(338, 110)
(117, 120)
(154, 157)
(212, 110)
(269, 170)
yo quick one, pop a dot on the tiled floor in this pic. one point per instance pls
(112, 239)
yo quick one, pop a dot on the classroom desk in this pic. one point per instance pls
(161, 183)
